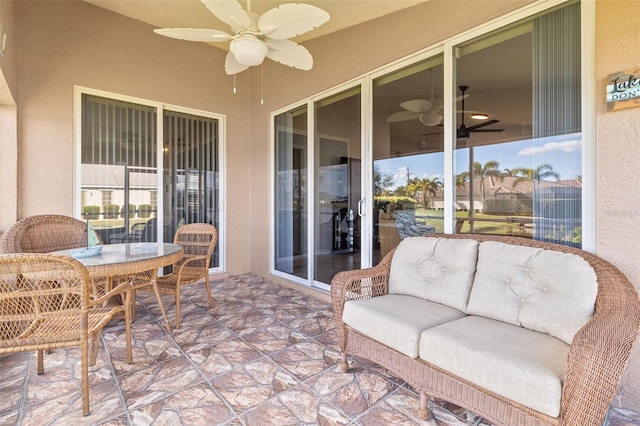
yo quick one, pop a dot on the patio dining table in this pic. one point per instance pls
(135, 262)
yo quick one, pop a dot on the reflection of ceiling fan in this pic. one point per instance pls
(256, 37)
(429, 112)
(464, 132)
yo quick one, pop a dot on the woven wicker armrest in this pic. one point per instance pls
(189, 258)
(358, 284)
(601, 349)
(361, 283)
(121, 289)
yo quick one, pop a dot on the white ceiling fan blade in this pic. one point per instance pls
(402, 116)
(194, 34)
(232, 66)
(417, 105)
(229, 11)
(290, 53)
(291, 19)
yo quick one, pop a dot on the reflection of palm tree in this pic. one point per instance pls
(543, 172)
(461, 179)
(425, 187)
(490, 169)
(477, 170)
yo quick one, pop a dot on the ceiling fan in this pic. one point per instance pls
(429, 111)
(256, 37)
(463, 132)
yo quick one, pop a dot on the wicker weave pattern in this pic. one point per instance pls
(198, 240)
(45, 303)
(598, 354)
(44, 234)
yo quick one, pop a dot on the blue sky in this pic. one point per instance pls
(563, 153)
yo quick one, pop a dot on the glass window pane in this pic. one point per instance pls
(337, 184)
(518, 169)
(408, 159)
(119, 177)
(190, 156)
(291, 213)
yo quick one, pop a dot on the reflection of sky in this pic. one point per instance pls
(563, 153)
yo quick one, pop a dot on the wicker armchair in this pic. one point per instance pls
(45, 304)
(44, 234)
(198, 241)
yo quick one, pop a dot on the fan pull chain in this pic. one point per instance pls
(262, 84)
(234, 84)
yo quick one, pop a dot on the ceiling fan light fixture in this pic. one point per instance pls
(431, 118)
(479, 116)
(248, 50)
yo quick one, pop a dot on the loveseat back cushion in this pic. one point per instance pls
(520, 364)
(396, 320)
(436, 269)
(543, 290)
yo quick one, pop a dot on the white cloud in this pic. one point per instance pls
(401, 173)
(568, 146)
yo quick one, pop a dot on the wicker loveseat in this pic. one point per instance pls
(518, 331)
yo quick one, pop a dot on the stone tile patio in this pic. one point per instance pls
(266, 354)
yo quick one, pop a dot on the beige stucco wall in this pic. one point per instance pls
(618, 159)
(71, 43)
(8, 118)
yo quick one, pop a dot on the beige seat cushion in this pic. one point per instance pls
(544, 290)
(520, 364)
(396, 320)
(436, 269)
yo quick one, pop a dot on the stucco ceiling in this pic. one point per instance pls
(193, 14)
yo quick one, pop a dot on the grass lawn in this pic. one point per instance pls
(495, 224)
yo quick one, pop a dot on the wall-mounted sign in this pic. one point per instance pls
(623, 90)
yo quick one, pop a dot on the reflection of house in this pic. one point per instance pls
(510, 195)
(105, 184)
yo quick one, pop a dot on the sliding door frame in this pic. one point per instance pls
(160, 108)
(448, 49)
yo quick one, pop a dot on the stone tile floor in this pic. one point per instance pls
(265, 354)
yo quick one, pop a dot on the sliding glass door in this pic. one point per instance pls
(338, 194)
(141, 180)
(119, 169)
(482, 135)
(291, 193)
(190, 173)
(319, 209)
